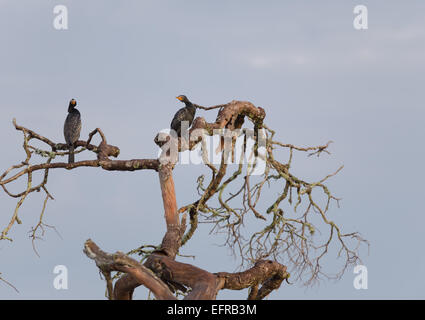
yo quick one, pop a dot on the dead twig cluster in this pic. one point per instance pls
(228, 201)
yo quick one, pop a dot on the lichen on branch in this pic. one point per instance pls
(283, 238)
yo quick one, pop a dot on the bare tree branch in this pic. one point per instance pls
(283, 233)
(120, 262)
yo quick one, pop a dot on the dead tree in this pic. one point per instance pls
(285, 239)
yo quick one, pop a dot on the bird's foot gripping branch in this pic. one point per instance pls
(284, 211)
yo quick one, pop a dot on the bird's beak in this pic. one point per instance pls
(179, 98)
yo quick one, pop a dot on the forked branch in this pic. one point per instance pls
(286, 225)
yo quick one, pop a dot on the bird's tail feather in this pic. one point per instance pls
(71, 154)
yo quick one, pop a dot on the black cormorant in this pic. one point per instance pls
(184, 114)
(72, 128)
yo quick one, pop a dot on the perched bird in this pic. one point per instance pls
(184, 114)
(72, 128)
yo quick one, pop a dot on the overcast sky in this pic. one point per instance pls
(317, 77)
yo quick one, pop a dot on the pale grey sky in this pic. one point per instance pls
(317, 77)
